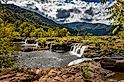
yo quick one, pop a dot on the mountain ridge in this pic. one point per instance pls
(92, 28)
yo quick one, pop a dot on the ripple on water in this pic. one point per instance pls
(43, 59)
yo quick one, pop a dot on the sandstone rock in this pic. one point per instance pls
(71, 79)
(112, 80)
(52, 73)
(19, 74)
(121, 81)
(42, 80)
(7, 76)
(78, 80)
(35, 71)
(48, 80)
(64, 77)
(78, 74)
(62, 74)
(59, 73)
(58, 79)
(53, 80)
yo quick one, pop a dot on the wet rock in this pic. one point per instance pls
(113, 64)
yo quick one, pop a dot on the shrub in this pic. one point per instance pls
(6, 61)
(85, 70)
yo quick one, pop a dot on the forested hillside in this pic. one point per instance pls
(30, 24)
(92, 28)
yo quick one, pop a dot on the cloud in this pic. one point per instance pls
(62, 12)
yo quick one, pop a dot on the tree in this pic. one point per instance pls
(7, 34)
(56, 32)
(117, 11)
(26, 29)
(63, 32)
(50, 32)
(39, 32)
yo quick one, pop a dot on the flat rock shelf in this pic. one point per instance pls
(43, 59)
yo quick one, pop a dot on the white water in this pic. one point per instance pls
(78, 50)
(79, 61)
(50, 48)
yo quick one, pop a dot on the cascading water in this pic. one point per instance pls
(50, 49)
(77, 50)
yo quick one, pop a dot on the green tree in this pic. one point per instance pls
(26, 29)
(117, 11)
(63, 32)
(7, 34)
(50, 32)
(1, 21)
(56, 32)
(39, 32)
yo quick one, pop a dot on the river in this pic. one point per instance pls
(43, 59)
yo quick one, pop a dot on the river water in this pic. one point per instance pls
(43, 59)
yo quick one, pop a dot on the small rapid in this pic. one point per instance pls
(78, 50)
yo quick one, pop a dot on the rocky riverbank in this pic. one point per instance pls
(84, 72)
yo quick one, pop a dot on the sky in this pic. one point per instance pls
(91, 0)
(94, 0)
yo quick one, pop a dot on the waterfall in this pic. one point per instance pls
(50, 48)
(77, 50)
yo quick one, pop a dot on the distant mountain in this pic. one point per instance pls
(95, 29)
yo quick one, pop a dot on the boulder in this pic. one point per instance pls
(113, 64)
